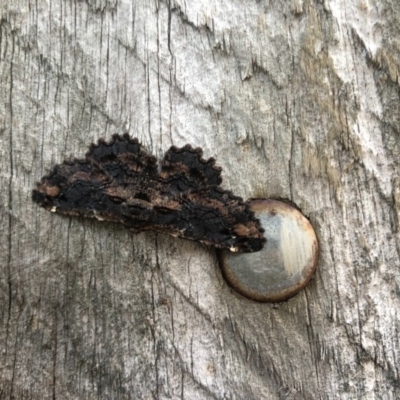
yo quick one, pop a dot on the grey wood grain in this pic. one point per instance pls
(295, 99)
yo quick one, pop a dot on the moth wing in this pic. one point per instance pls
(74, 187)
(116, 179)
(184, 169)
(212, 216)
(124, 159)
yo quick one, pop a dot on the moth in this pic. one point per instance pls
(119, 181)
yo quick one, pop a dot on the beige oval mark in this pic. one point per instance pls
(286, 263)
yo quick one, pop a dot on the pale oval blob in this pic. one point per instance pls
(285, 264)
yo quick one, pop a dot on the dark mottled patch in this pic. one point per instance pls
(118, 181)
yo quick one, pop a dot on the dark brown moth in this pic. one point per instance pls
(119, 181)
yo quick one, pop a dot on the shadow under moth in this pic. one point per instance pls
(119, 181)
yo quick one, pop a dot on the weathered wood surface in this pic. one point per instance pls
(296, 99)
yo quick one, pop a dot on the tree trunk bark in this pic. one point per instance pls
(295, 99)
